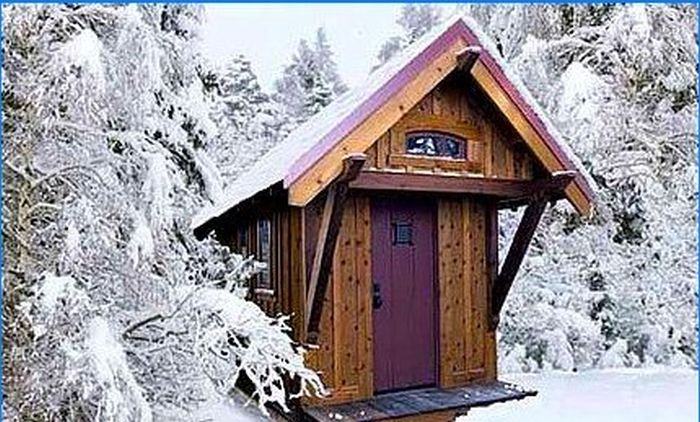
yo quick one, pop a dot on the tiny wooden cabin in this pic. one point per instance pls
(378, 220)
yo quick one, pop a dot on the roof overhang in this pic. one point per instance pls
(317, 168)
(353, 129)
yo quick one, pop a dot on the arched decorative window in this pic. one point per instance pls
(428, 142)
(436, 144)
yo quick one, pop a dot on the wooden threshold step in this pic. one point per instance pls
(424, 401)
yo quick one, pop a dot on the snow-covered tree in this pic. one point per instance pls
(311, 81)
(249, 121)
(112, 311)
(620, 82)
(416, 19)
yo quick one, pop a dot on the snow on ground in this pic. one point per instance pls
(620, 395)
(226, 412)
(233, 410)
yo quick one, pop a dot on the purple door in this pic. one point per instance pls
(403, 293)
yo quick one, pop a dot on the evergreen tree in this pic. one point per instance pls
(249, 122)
(311, 81)
(415, 20)
(112, 311)
(620, 82)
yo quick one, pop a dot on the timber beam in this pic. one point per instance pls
(467, 58)
(331, 221)
(516, 253)
(508, 192)
(552, 188)
(424, 182)
(544, 191)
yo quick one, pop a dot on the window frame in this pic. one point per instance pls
(461, 142)
(396, 232)
(263, 254)
(449, 126)
(243, 240)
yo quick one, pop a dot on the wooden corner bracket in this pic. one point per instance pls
(544, 192)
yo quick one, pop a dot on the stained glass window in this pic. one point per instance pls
(435, 144)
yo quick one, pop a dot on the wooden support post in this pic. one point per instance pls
(325, 246)
(516, 253)
(491, 252)
(468, 57)
(536, 196)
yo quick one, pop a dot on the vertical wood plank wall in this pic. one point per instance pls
(344, 356)
(287, 274)
(466, 343)
(467, 346)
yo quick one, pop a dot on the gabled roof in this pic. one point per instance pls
(293, 158)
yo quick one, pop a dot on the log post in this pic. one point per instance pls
(537, 195)
(331, 221)
(516, 253)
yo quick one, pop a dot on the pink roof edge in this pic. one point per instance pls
(405, 75)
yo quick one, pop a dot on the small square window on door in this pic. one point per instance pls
(402, 233)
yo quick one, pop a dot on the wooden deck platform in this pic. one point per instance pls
(419, 402)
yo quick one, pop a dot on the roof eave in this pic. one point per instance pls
(580, 193)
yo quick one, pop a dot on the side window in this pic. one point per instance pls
(263, 253)
(242, 240)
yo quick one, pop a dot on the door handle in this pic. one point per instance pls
(376, 296)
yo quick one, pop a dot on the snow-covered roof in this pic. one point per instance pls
(309, 142)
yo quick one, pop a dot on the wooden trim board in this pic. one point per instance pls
(306, 187)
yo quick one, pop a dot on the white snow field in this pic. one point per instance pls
(227, 412)
(616, 395)
(610, 395)
(233, 410)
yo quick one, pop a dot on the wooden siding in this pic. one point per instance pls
(317, 177)
(528, 126)
(494, 149)
(344, 356)
(286, 271)
(466, 344)
(467, 348)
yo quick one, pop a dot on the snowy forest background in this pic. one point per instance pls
(117, 130)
